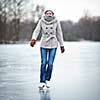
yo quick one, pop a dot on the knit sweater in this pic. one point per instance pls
(51, 33)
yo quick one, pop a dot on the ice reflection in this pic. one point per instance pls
(44, 94)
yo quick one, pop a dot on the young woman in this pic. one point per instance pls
(51, 32)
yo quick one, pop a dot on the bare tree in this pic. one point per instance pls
(36, 15)
(3, 19)
(37, 12)
(11, 12)
(16, 11)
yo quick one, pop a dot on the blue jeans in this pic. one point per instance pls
(47, 59)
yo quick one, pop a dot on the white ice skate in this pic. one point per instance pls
(48, 84)
(42, 85)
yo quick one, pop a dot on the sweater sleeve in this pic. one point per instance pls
(59, 34)
(37, 30)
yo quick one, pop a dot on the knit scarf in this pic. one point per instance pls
(49, 18)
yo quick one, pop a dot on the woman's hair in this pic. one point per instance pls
(48, 11)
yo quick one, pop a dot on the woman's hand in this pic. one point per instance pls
(62, 49)
(33, 42)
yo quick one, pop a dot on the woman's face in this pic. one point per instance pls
(49, 13)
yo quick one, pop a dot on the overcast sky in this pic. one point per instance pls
(71, 9)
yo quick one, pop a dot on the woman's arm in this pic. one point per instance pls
(35, 34)
(37, 30)
(59, 34)
(60, 37)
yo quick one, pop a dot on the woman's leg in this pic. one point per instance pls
(43, 52)
(52, 53)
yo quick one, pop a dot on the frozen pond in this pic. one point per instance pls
(76, 73)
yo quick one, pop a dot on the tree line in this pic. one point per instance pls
(15, 26)
(87, 28)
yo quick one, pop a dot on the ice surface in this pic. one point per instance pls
(76, 73)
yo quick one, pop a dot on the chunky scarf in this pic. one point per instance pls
(49, 18)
